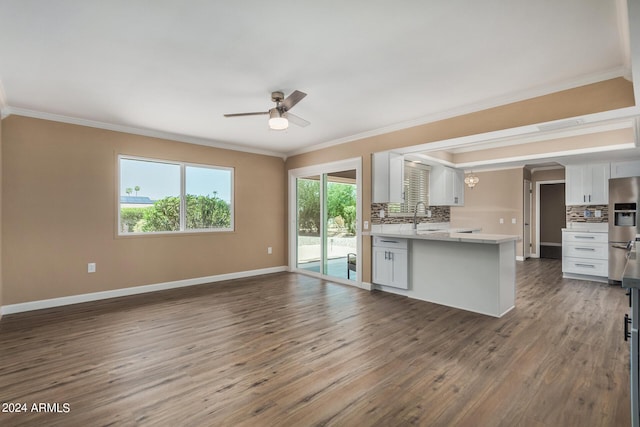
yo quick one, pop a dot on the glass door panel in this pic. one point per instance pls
(309, 248)
(339, 236)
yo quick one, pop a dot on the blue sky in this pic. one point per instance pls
(158, 180)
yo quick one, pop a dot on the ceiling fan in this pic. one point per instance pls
(279, 116)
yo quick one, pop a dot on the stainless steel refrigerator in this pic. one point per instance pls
(623, 222)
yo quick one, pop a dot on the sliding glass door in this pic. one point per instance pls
(325, 206)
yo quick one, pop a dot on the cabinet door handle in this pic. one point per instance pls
(584, 237)
(585, 249)
(589, 197)
(386, 255)
(389, 241)
(586, 265)
(584, 198)
(627, 320)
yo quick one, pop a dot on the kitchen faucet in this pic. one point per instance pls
(415, 214)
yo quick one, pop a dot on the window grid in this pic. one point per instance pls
(415, 189)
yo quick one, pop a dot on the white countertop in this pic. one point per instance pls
(587, 227)
(585, 230)
(451, 235)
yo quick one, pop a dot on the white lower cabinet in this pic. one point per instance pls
(585, 254)
(390, 262)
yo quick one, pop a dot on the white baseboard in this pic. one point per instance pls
(391, 290)
(94, 296)
(366, 286)
(519, 258)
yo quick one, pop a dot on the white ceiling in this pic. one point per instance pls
(367, 66)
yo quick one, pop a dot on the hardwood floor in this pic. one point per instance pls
(291, 350)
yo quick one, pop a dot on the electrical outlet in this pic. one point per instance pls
(366, 225)
(501, 220)
(429, 213)
(381, 214)
(513, 220)
(91, 267)
(598, 213)
(269, 250)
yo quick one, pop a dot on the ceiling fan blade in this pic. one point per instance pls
(299, 121)
(246, 114)
(292, 100)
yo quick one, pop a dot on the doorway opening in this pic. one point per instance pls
(551, 219)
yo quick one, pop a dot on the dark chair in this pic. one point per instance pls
(351, 264)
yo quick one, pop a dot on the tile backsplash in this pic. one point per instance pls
(438, 214)
(577, 213)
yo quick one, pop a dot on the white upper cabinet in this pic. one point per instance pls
(587, 184)
(446, 186)
(625, 169)
(388, 177)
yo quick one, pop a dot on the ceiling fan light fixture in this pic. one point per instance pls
(276, 121)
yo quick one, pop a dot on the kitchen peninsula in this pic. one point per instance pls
(458, 268)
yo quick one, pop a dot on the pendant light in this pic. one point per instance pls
(471, 180)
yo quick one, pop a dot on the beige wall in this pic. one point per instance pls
(598, 97)
(498, 195)
(537, 176)
(60, 204)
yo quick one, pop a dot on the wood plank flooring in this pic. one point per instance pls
(291, 350)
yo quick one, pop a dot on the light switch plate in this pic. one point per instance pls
(501, 220)
(91, 267)
(366, 225)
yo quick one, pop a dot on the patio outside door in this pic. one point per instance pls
(326, 241)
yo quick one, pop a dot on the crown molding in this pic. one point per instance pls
(544, 135)
(528, 131)
(546, 168)
(138, 131)
(632, 10)
(621, 71)
(524, 159)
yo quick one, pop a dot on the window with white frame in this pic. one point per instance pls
(415, 189)
(158, 196)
